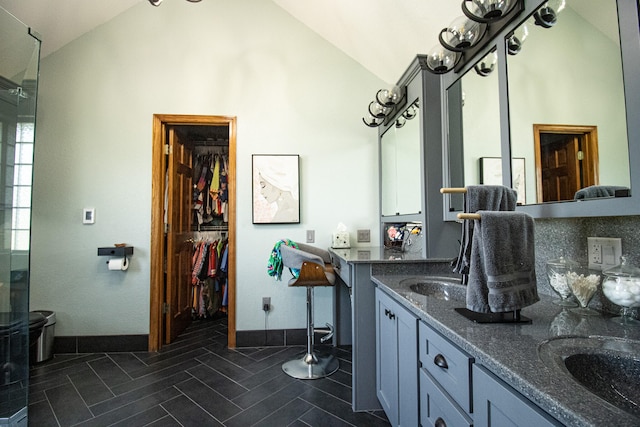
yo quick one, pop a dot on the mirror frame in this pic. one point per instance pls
(629, 26)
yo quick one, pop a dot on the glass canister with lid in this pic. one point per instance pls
(621, 286)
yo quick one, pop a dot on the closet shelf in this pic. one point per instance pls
(212, 228)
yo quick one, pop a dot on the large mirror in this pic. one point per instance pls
(568, 98)
(474, 128)
(400, 165)
(566, 103)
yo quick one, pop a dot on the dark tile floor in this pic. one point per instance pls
(195, 381)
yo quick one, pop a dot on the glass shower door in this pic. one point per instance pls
(20, 52)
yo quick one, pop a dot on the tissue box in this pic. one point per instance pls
(340, 240)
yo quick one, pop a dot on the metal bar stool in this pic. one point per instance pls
(315, 270)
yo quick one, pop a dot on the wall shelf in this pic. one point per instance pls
(118, 251)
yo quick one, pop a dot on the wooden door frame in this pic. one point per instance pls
(590, 150)
(158, 168)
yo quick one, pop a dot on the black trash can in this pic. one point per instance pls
(43, 349)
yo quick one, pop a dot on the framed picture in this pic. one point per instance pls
(491, 174)
(276, 188)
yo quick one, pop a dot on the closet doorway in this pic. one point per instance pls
(175, 226)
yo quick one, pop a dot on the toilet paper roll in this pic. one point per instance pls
(118, 264)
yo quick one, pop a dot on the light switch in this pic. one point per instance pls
(88, 215)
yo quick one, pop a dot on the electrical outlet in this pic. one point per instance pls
(311, 236)
(266, 303)
(364, 236)
(604, 252)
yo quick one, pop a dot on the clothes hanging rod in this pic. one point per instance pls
(453, 190)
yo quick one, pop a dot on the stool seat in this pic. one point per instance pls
(315, 270)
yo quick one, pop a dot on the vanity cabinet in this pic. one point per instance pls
(410, 144)
(498, 405)
(445, 381)
(396, 361)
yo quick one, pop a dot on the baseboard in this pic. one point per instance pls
(100, 343)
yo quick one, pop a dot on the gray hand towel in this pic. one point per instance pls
(502, 274)
(486, 198)
(597, 191)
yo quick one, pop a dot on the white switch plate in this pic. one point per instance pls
(88, 216)
(311, 236)
(604, 252)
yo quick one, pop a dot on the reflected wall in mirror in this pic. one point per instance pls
(473, 124)
(400, 156)
(569, 74)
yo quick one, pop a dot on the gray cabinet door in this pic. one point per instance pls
(396, 361)
(498, 405)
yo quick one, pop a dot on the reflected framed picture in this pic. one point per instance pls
(276, 188)
(491, 174)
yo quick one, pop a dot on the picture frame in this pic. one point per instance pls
(275, 188)
(491, 174)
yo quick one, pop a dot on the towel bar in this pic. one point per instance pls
(468, 216)
(453, 190)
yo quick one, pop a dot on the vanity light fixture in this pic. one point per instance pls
(386, 103)
(547, 15)
(389, 97)
(462, 34)
(486, 11)
(411, 112)
(517, 38)
(378, 111)
(372, 122)
(487, 64)
(400, 121)
(441, 60)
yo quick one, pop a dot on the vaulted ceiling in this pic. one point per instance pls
(382, 35)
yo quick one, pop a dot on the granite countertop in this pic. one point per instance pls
(379, 254)
(511, 351)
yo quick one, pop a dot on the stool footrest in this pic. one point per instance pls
(328, 331)
(311, 366)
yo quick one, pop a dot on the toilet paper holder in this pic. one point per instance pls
(118, 254)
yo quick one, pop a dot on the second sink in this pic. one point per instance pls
(606, 366)
(436, 287)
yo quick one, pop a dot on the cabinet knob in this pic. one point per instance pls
(389, 313)
(440, 423)
(440, 362)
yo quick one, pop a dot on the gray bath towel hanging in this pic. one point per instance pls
(502, 273)
(486, 198)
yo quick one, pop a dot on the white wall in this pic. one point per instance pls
(292, 93)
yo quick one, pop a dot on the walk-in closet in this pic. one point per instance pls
(193, 220)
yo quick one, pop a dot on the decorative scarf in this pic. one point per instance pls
(274, 266)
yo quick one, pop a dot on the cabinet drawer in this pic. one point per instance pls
(436, 407)
(448, 365)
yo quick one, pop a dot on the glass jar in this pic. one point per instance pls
(621, 286)
(557, 270)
